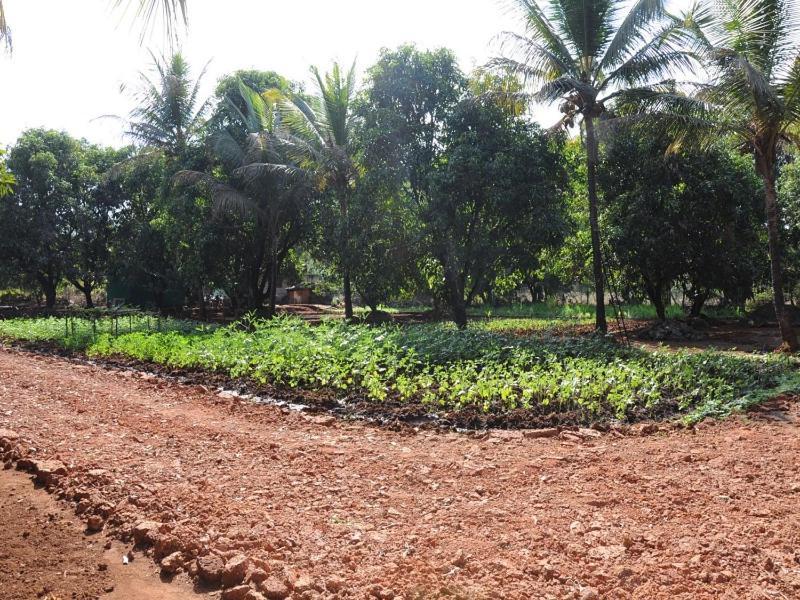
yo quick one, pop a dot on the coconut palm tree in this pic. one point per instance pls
(751, 49)
(147, 11)
(169, 116)
(262, 187)
(317, 135)
(585, 54)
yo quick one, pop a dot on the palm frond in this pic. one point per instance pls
(670, 112)
(631, 32)
(790, 84)
(558, 88)
(5, 30)
(167, 114)
(535, 57)
(253, 172)
(586, 25)
(149, 12)
(664, 54)
(543, 32)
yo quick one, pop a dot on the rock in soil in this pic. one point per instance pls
(209, 569)
(235, 570)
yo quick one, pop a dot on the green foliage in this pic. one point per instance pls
(440, 366)
(687, 218)
(790, 207)
(6, 179)
(57, 223)
(483, 185)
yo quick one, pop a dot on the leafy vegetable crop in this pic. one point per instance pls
(439, 365)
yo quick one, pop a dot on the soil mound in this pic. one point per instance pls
(673, 330)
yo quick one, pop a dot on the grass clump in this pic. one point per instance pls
(443, 367)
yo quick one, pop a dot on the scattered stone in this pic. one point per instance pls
(47, 470)
(164, 545)
(146, 532)
(588, 593)
(257, 575)
(274, 589)
(8, 438)
(304, 583)
(95, 523)
(235, 570)
(335, 584)
(209, 569)
(172, 563)
(533, 434)
(645, 429)
(240, 592)
(589, 433)
(505, 435)
(671, 330)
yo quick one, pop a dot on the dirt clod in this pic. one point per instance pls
(274, 589)
(209, 568)
(95, 523)
(235, 570)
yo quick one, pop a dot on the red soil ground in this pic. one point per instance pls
(318, 508)
(46, 552)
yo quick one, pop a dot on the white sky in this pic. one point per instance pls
(71, 56)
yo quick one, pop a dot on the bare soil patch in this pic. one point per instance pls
(46, 552)
(315, 507)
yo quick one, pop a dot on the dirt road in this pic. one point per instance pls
(322, 508)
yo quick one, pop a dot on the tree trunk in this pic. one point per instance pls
(348, 294)
(458, 306)
(532, 290)
(273, 274)
(201, 296)
(345, 250)
(455, 292)
(87, 294)
(49, 289)
(597, 252)
(788, 335)
(655, 293)
(698, 302)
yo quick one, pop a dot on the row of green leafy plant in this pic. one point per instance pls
(441, 366)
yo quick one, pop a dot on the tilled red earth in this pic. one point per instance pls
(277, 504)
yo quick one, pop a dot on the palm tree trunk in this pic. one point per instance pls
(273, 271)
(597, 256)
(788, 334)
(347, 285)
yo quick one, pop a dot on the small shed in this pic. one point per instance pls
(299, 295)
